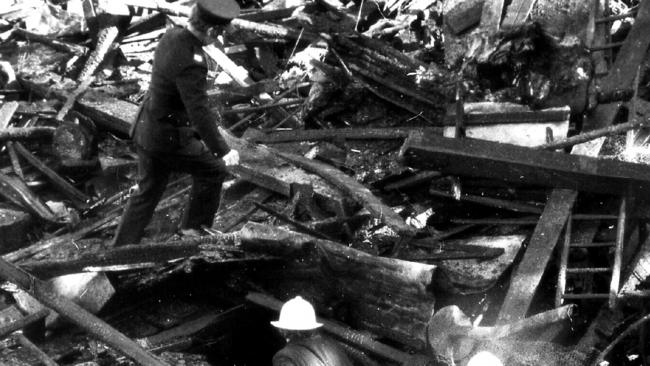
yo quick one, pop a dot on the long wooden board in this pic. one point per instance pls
(521, 165)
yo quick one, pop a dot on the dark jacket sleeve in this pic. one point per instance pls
(191, 84)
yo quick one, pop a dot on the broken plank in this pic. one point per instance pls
(516, 164)
(78, 198)
(517, 13)
(131, 254)
(355, 190)
(17, 192)
(210, 319)
(229, 217)
(492, 202)
(72, 48)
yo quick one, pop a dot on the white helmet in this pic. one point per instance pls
(484, 358)
(297, 314)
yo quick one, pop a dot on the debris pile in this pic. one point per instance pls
(439, 178)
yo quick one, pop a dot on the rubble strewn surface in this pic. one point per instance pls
(438, 177)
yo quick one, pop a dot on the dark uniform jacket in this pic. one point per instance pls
(176, 113)
(316, 351)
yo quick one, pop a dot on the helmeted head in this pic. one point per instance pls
(297, 314)
(213, 16)
(484, 358)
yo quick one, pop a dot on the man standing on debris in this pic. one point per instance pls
(305, 345)
(176, 131)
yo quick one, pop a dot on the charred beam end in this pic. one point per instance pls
(517, 164)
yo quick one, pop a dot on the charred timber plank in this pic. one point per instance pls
(212, 319)
(37, 249)
(264, 15)
(17, 192)
(78, 198)
(18, 324)
(339, 133)
(516, 164)
(490, 118)
(622, 75)
(130, 254)
(517, 13)
(54, 43)
(356, 190)
(538, 253)
(231, 216)
(26, 133)
(76, 314)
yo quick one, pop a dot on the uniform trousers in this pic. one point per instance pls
(208, 173)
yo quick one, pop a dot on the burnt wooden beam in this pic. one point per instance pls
(291, 221)
(108, 219)
(72, 48)
(593, 134)
(77, 315)
(211, 319)
(263, 15)
(508, 117)
(516, 164)
(132, 254)
(26, 133)
(7, 329)
(528, 274)
(17, 192)
(492, 202)
(338, 133)
(234, 214)
(78, 198)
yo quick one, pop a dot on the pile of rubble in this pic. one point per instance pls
(414, 168)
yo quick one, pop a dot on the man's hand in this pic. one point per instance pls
(231, 158)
